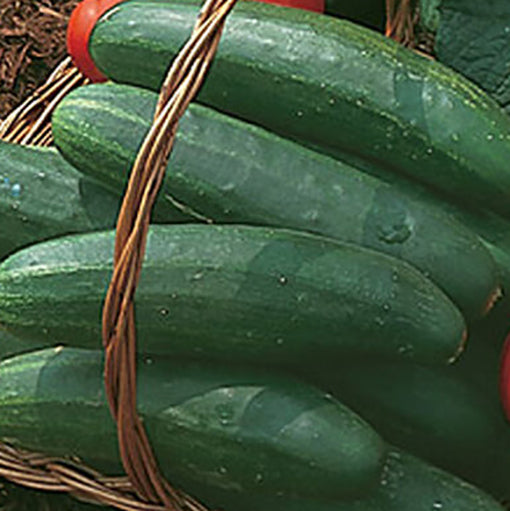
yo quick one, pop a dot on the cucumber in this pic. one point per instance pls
(19, 498)
(328, 83)
(12, 345)
(260, 431)
(434, 413)
(407, 484)
(212, 427)
(237, 293)
(231, 172)
(501, 255)
(480, 362)
(417, 486)
(491, 228)
(494, 232)
(43, 196)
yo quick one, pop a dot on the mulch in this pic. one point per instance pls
(32, 43)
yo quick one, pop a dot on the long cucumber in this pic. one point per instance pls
(213, 427)
(328, 83)
(228, 171)
(233, 437)
(407, 484)
(237, 293)
(437, 414)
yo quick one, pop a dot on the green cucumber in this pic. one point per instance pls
(480, 362)
(212, 427)
(411, 484)
(494, 233)
(330, 84)
(407, 484)
(260, 432)
(501, 255)
(237, 293)
(231, 172)
(43, 196)
(20, 498)
(435, 413)
(11, 345)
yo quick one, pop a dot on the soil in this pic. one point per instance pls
(32, 43)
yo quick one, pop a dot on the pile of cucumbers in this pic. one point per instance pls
(324, 296)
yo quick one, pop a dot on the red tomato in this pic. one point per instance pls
(81, 24)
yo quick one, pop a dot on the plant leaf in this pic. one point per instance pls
(473, 37)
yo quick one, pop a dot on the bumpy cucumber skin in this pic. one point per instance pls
(41, 391)
(414, 485)
(237, 293)
(434, 413)
(212, 426)
(43, 196)
(406, 484)
(330, 84)
(231, 172)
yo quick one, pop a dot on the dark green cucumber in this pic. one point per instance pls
(328, 83)
(494, 232)
(410, 484)
(43, 196)
(480, 362)
(229, 171)
(501, 255)
(252, 450)
(435, 413)
(12, 345)
(237, 293)
(21, 498)
(212, 426)
(407, 484)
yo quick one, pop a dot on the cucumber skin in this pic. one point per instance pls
(236, 293)
(434, 413)
(10, 345)
(273, 182)
(403, 483)
(212, 426)
(333, 85)
(407, 484)
(54, 198)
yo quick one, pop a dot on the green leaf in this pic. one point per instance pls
(429, 15)
(473, 37)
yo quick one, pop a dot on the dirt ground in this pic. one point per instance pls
(32, 42)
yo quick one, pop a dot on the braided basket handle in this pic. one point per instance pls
(119, 331)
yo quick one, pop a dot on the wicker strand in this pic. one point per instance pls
(119, 332)
(30, 123)
(400, 21)
(40, 472)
